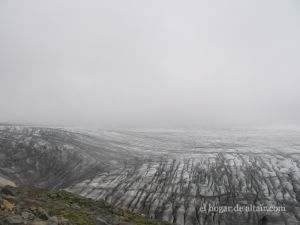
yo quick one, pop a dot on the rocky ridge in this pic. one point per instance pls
(19, 206)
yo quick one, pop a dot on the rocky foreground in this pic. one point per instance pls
(21, 206)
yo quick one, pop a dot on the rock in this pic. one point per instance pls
(42, 214)
(124, 223)
(14, 219)
(33, 209)
(7, 190)
(52, 221)
(53, 195)
(75, 206)
(39, 223)
(63, 221)
(97, 220)
(11, 198)
(43, 199)
(7, 205)
(113, 221)
(27, 216)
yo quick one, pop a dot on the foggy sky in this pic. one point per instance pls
(149, 63)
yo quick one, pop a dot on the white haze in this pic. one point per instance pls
(150, 63)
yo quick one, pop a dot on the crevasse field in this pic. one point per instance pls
(171, 175)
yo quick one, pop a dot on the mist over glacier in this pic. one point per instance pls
(149, 64)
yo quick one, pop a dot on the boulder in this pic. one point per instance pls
(14, 219)
(52, 221)
(97, 220)
(7, 190)
(63, 221)
(7, 205)
(39, 223)
(42, 214)
(124, 223)
(27, 216)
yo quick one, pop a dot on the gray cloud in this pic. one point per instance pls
(142, 63)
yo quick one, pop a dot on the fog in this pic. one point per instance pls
(157, 63)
